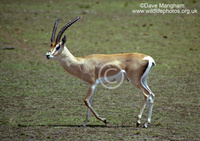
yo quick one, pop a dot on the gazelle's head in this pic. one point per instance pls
(56, 45)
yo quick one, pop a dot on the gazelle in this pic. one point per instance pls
(93, 69)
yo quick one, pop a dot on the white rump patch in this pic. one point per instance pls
(150, 59)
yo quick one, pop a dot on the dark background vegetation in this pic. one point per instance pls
(40, 101)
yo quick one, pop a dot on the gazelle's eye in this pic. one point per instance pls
(58, 48)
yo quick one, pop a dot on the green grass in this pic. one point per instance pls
(40, 101)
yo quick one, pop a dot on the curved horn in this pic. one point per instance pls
(54, 31)
(64, 28)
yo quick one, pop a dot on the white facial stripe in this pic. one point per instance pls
(54, 50)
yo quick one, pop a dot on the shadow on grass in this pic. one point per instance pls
(80, 126)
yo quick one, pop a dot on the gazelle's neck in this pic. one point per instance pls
(66, 54)
(69, 62)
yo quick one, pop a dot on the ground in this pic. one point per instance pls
(40, 101)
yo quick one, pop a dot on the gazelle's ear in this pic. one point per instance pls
(64, 39)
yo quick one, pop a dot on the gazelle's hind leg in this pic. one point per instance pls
(148, 97)
(142, 109)
(148, 94)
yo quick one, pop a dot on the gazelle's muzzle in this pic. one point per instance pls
(49, 55)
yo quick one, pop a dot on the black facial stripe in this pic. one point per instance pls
(57, 48)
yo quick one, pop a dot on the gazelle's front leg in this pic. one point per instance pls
(88, 100)
(88, 113)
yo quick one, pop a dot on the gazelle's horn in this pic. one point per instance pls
(54, 31)
(64, 28)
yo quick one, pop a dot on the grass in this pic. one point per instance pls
(40, 101)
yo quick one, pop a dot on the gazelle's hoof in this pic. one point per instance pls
(145, 125)
(105, 122)
(83, 125)
(137, 124)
